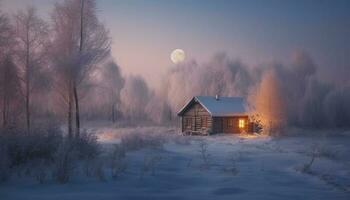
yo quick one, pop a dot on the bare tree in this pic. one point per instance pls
(5, 35)
(8, 73)
(9, 88)
(133, 97)
(94, 46)
(113, 83)
(83, 42)
(31, 36)
(62, 54)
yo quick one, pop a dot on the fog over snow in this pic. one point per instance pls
(89, 99)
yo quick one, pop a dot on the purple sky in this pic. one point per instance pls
(144, 32)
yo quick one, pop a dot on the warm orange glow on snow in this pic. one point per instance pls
(251, 136)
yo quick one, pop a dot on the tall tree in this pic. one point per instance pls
(112, 83)
(5, 35)
(31, 34)
(63, 53)
(94, 45)
(83, 42)
(134, 96)
(8, 73)
(270, 103)
(9, 88)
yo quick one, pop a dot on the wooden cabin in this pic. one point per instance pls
(210, 115)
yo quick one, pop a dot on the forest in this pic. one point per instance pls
(58, 79)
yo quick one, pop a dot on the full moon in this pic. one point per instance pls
(177, 56)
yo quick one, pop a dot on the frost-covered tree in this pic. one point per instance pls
(102, 92)
(6, 33)
(9, 90)
(112, 82)
(82, 42)
(8, 71)
(158, 109)
(269, 102)
(31, 34)
(94, 46)
(337, 107)
(221, 75)
(134, 97)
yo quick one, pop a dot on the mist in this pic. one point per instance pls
(52, 81)
(80, 108)
(290, 94)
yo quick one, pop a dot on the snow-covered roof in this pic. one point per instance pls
(221, 107)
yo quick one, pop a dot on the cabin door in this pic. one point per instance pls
(218, 125)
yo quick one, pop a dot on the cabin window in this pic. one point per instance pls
(241, 123)
(230, 122)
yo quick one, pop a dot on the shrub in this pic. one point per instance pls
(204, 155)
(20, 150)
(136, 141)
(40, 170)
(256, 125)
(86, 146)
(5, 171)
(63, 165)
(98, 170)
(42, 151)
(117, 160)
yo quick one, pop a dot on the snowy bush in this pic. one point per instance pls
(136, 141)
(85, 148)
(117, 160)
(40, 170)
(20, 151)
(4, 165)
(256, 123)
(43, 152)
(98, 170)
(204, 155)
(63, 165)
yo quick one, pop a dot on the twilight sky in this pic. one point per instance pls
(144, 32)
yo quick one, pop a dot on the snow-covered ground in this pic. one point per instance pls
(170, 166)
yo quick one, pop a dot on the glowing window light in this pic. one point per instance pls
(241, 123)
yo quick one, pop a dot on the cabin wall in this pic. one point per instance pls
(196, 118)
(230, 124)
(217, 125)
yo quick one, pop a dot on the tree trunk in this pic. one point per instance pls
(81, 25)
(4, 121)
(77, 113)
(75, 90)
(27, 83)
(70, 98)
(27, 98)
(113, 113)
(4, 101)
